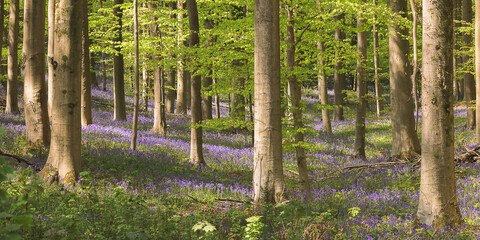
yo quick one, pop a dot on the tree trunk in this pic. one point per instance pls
(145, 80)
(361, 88)
(64, 159)
(415, 62)
(405, 142)
(340, 83)
(217, 100)
(236, 98)
(136, 103)
(181, 74)
(438, 201)
(268, 183)
(12, 78)
(323, 89)
(459, 83)
(119, 112)
(86, 77)
(93, 70)
(196, 153)
(2, 31)
(477, 67)
(51, 36)
(378, 84)
(208, 81)
(35, 95)
(170, 101)
(295, 94)
(468, 78)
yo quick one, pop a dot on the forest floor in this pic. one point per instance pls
(154, 193)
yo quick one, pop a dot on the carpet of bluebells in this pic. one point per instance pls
(154, 193)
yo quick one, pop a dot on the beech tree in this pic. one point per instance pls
(468, 78)
(339, 77)
(477, 68)
(12, 67)
(359, 147)
(35, 93)
(182, 75)
(438, 205)
(86, 75)
(376, 65)
(64, 159)
(405, 143)
(120, 112)
(268, 183)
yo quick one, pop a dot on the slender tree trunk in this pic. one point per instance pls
(93, 70)
(208, 81)
(217, 100)
(268, 183)
(136, 104)
(477, 67)
(295, 94)
(415, 62)
(35, 95)
(12, 78)
(459, 83)
(236, 98)
(170, 101)
(64, 159)
(2, 31)
(405, 143)
(86, 80)
(196, 153)
(340, 83)
(181, 74)
(378, 84)
(51, 36)
(468, 78)
(438, 201)
(361, 88)
(104, 72)
(323, 89)
(120, 112)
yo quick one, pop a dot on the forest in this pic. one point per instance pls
(239, 119)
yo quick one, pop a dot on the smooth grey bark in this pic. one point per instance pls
(376, 66)
(359, 148)
(468, 78)
(459, 83)
(136, 101)
(12, 61)
(86, 76)
(415, 61)
(340, 83)
(119, 108)
(207, 80)
(322, 89)
(268, 182)
(35, 95)
(181, 74)
(50, 52)
(64, 159)
(438, 205)
(405, 143)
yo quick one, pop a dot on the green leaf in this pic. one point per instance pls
(26, 220)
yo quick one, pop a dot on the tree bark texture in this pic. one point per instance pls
(268, 182)
(136, 101)
(64, 159)
(50, 52)
(196, 153)
(12, 70)
(119, 112)
(208, 81)
(438, 201)
(323, 89)
(340, 83)
(181, 74)
(405, 143)
(415, 61)
(459, 83)
(376, 65)
(170, 85)
(35, 96)
(359, 147)
(477, 67)
(86, 76)
(468, 78)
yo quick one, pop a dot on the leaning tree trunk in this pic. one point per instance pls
(468, 78)
(438, 205)
(12, 73)
(119, 108)
(64, 159)
(268, 183)
(477, 67)
(86, 76)
(35, 95)
(340, 83)
(361, 88)
(196, 153)
(181, 74)
(405, 142)
(295, 94)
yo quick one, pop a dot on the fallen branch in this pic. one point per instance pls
(380, 165)
(194, 199)
(20, 159)
(229, 200)
(470, 156)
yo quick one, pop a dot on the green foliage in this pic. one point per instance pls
(254, 228)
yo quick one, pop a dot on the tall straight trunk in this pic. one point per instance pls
(104, 64)
(181, 74)
(145, 87)
(12, 73)
(86, 76)
(268, 183)
(208, 81)
(415, 61)
(405, 143)
(376, 65)
(323, 89)
(50, 52)
(459, 83)
(477, 67)
(217, 100)
(237, 100)
(2, 30)
(196, 153)
(170, 100)
(438, 205)
(295, 94)
(136, 104)
(340, 83)
(119, 108)
(93, 71)
(361, 88)
(64, 159)
(468, 78)
(35, 95)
